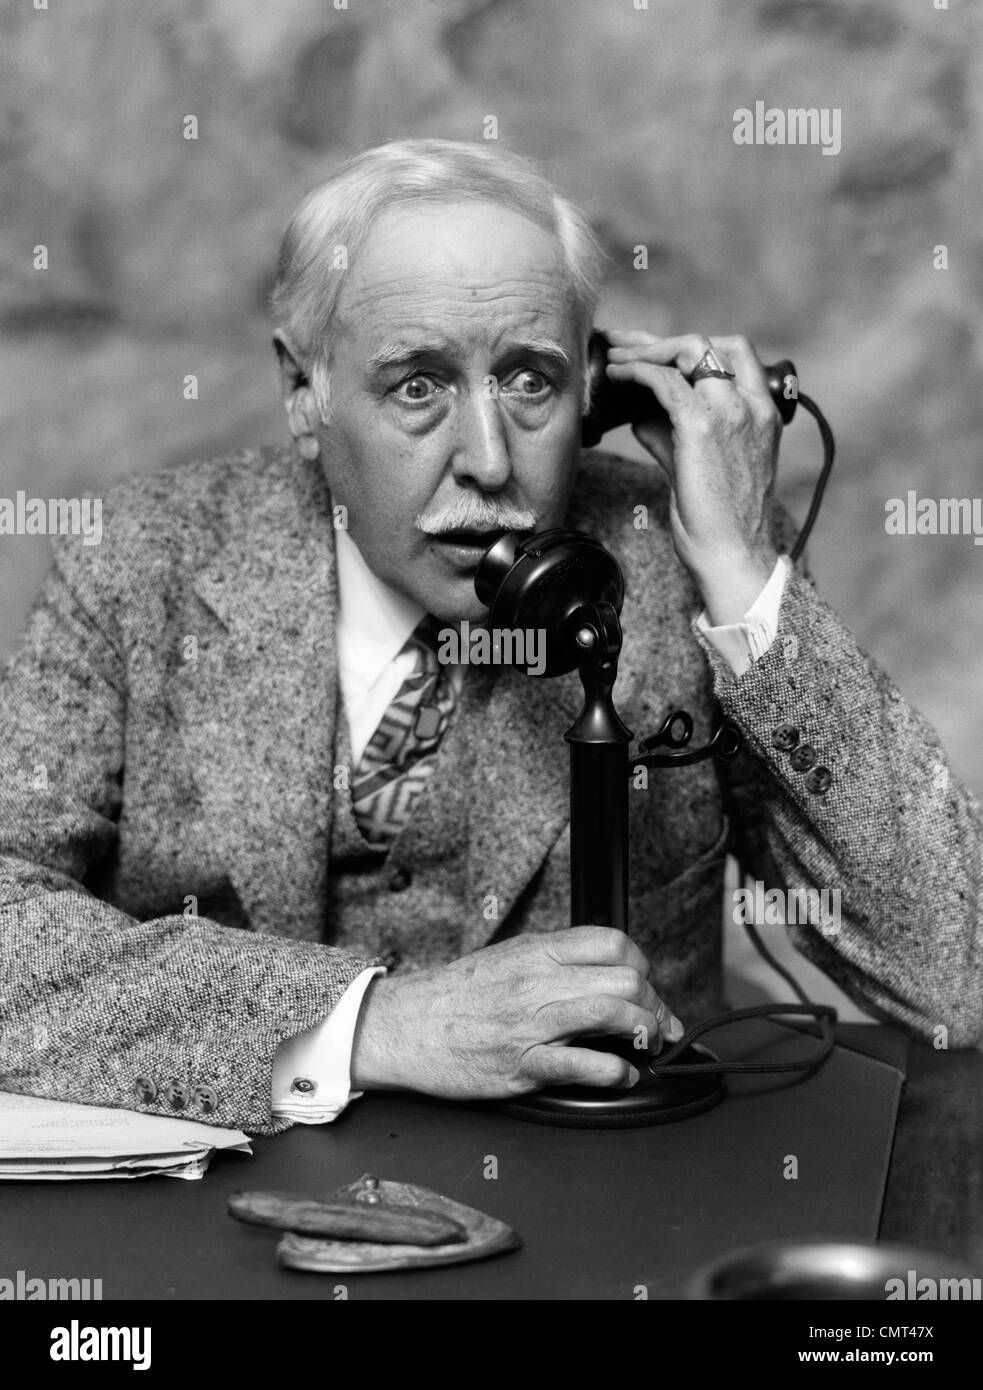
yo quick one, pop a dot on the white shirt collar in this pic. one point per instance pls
(374, 619)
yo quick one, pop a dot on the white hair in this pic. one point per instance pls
(334, 220)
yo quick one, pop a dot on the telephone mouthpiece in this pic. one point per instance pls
(493, 566)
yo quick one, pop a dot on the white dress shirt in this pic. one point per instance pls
(741, 643)
(312, 1071)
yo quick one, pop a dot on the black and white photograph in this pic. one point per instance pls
(491, 668)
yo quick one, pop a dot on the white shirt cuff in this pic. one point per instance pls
(312, 1071)
(741, 643)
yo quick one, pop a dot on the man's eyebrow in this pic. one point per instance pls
(392, 354)
(395, 354)
(543, 347)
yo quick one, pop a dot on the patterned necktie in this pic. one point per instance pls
(399, 757)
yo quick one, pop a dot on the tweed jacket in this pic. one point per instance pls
(167, 729)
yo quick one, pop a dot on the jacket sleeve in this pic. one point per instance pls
(94, 1005)
(843, 786)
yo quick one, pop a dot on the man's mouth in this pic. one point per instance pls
(463, 548)
(469, 538)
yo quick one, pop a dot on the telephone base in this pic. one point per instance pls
(655, 1100)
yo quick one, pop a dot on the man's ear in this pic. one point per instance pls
(298, 398)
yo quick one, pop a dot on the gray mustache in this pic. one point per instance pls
(472, 513)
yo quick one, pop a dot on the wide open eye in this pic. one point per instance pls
(528, 384)
(417, 390)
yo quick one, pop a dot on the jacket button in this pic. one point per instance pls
(177, 1094)
(145, 1090)
(400, 880)
(391, 959)
(819, 780)
(205, 1099)
(803, 757)
(785, 737)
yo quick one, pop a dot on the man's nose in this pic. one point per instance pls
(481, 453)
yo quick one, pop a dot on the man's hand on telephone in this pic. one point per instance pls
(719, 455)
(500, 1022)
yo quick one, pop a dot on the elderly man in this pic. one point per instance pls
(261, 851)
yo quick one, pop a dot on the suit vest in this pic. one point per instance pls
(404, 902)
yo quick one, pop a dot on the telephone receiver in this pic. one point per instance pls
(615, 403)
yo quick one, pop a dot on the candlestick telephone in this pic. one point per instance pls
(567, 585)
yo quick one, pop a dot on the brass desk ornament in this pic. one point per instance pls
(373, 1224)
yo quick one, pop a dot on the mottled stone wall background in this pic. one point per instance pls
(160, 248)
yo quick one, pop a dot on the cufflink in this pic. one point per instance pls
(302, 1086)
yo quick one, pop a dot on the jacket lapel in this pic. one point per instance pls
(258, 708)
(515, 769)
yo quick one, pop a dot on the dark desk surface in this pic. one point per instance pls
(934, 1196)
(600, 1213)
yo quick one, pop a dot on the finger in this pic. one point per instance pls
(657, 439)
(683, 351)
(747, 365)
(589, 945)
(556, 1065)
(686, 352)
(716, 395)
(669, 1026)
(619, 981)
(661, 1025)
(630, 337)
(669, 386)
(597, 1014)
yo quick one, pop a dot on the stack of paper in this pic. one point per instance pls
(44, 1139)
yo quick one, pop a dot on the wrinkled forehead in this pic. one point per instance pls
(476, 268)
